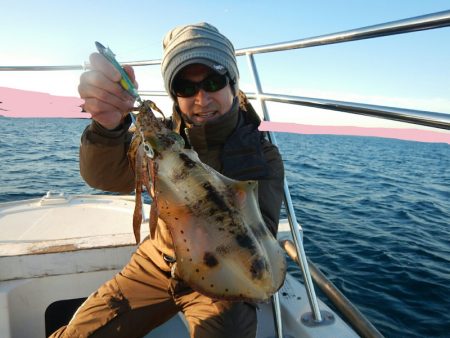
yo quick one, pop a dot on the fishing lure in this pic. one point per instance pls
(125, 81)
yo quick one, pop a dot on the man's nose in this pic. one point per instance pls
(202, 98)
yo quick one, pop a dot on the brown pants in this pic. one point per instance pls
(143, 296)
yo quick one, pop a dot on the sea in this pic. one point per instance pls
(375, 212)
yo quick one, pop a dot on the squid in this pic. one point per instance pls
(223, 247)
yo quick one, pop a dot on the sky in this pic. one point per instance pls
(409, 71)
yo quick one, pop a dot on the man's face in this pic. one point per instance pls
(203, 106)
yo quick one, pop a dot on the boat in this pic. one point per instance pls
(57, 249)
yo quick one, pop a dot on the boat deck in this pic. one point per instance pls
(77, 225)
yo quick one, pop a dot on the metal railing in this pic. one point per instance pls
(418, 23)
(432, 119)
(426, 118)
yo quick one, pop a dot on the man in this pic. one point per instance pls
(200, 73)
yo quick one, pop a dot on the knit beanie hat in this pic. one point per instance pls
(198, 43)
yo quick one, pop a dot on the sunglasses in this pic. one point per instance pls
(211, 84)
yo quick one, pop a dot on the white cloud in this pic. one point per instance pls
(63, 83)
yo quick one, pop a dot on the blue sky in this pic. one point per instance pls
(406, 70)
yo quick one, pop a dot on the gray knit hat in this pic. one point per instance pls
(197, 43)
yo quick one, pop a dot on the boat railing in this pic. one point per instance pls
(433, 119)
(418, 117)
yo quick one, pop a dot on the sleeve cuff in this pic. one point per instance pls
(96, 133)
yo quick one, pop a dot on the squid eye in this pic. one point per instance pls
(149, 151)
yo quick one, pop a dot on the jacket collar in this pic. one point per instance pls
(212, 134)
(241, 106)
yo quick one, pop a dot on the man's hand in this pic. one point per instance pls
(103, 95)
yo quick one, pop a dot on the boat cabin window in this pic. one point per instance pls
(59, 313)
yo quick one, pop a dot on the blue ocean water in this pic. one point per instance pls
(375, 212)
